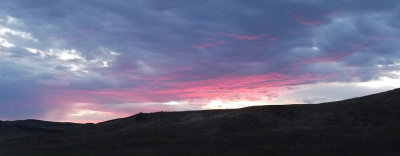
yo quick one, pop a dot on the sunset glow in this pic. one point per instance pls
(90, 61)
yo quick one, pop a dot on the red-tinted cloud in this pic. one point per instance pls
(226, 87)
(207, 44)
(247, 37)
(305, 22)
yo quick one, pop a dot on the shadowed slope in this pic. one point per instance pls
(24, 128)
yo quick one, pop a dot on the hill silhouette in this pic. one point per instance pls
(366, 125)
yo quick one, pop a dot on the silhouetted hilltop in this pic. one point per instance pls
(366, 125)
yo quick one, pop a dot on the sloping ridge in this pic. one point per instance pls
(366, 125)
(391, 97)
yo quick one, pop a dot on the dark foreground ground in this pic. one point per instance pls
(362, 126)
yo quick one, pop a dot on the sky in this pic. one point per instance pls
(95, 60)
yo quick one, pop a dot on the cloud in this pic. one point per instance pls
(207, 44)
(247, 37)
(199, 53)
(19, 96)
(304, 22)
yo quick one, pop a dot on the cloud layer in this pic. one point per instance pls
(95, 60)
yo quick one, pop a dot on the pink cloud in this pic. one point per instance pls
(162, 90)
(273, 39)
(305, 22)
(225, 86)
(207, 44)
(247, 37)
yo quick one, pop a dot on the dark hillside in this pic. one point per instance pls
(361, 126)
(24, 128)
